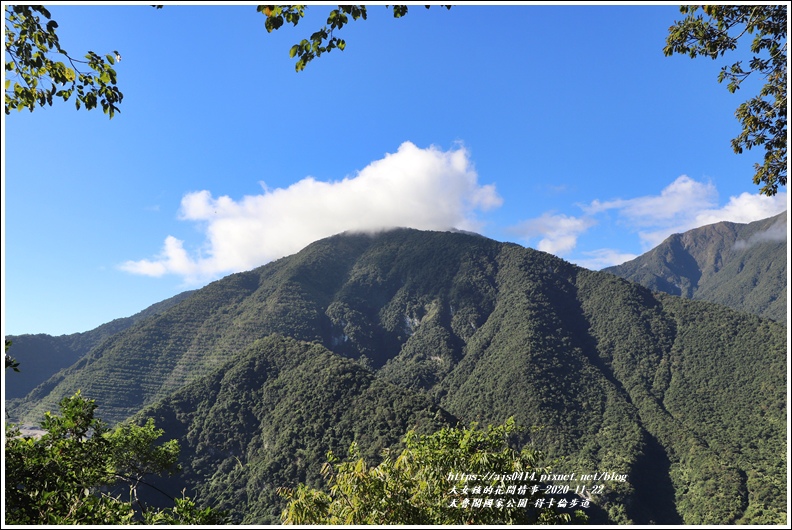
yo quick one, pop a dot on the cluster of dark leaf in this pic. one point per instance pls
(323, 40)
(44, 70)
(763, 117)
(71, 473)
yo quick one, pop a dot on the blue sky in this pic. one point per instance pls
(562, 128)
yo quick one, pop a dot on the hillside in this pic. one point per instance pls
(687, 398)
(268, 417)
(743, 266)
(42, 355)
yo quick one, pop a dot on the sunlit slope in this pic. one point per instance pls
(743, 266)
(685, 397)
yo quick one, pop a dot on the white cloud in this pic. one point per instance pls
(683, 205)
(558, 233)
(603, 257)
(745, 208)
(173, 259)
(776, 233)
(675, 201)
(427, 189)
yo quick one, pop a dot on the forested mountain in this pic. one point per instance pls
(268, 417)
(743, 266)
(42, 355)
(360, 337)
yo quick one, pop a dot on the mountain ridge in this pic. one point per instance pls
(606, 371)
(42, 355)
(740, 265)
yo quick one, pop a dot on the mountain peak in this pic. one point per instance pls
(357, 338)
(741, 265)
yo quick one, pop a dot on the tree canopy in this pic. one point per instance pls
(69, 474)
(42, 69)
(454, 476)
(763, 117)
(323, 40)
(10, 362)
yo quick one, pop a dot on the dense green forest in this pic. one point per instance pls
(742, 266)
(360, 338)
(269, 416)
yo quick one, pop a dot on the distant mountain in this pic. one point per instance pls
(259, 373)
(743, 266)
(41, 355)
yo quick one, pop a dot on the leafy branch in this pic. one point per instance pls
(65, 476)
(763, 117)
(32, 49)
(324, 40)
